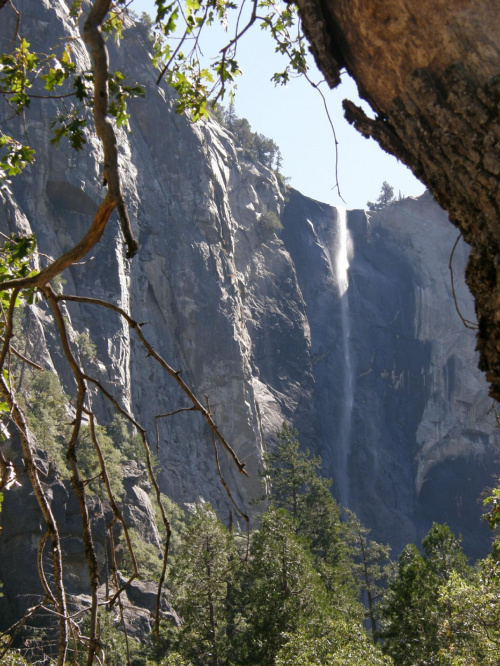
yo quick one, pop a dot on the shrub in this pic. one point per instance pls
(269, 225)
(149, 562)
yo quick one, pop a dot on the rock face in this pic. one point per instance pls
(345, 326)
(420, 445)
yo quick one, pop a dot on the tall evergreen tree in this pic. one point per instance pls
(205, 566)
(413, 615)
(289, 472)
(294, 484)
(372, 568)
(284, 590)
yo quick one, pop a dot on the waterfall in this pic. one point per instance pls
(344, 441)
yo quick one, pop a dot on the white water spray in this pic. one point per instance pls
(345, 424)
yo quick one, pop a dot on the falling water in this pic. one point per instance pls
(341, 269)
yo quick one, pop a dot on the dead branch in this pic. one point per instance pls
(173, 373)
(164, 416)
(165, 520)
(116, 514)
(104, 128)
(14, 630)
(223, 481)
(29, 447)
(21, 357)
(76, 479)
(41, 572)
(466, 322)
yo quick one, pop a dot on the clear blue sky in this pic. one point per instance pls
(294, 117)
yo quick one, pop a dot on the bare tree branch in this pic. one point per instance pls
(173, 373)
(93, 37)
(116, 514)
(466, 322)
(223, 481)
(76, 480)
(29, 446)
(164, 416)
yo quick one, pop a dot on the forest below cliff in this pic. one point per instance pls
(306, 586)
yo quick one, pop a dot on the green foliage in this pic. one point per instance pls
(48, 413)
(493, 504)
(372, 567)
(15, 68)
(58, 283)
(12, 657)
(89, 461)
(119, 94)
(203, 573)
(289, 472)
(413, 615)
(63, 68)
(71, 126)
(443, 552)
(183, 71)
(385, 198)
(147, 555)
(48, 416)
(472, 619)
(256, 147)
(177, 518)
(339, 643)
(14, 157)
(285, 592)
(86, 348)
(111, 638)
(269, 225)
(178, 53)
(16, 260)
(174, 659)
(294, 484)
(130, 444)
(145, 24)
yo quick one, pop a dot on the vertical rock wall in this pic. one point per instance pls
(423, 439)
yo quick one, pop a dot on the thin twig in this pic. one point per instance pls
(466, 322)
(76, 479)
(116, 512)
(21, 357)
(173, 373)
(223, 481)
(41, 572)
(163, 416)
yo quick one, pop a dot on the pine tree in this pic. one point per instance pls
(372, 568)
(295, 485)
(205, 566)
(289, 473)
(284, 590)
(413, 614)
(385, 197)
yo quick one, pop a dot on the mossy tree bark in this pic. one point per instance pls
(431, 73)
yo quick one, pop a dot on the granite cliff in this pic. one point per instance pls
(345, 325)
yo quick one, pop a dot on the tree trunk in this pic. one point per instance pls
(431, 72)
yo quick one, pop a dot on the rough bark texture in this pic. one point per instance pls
(431, 72)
